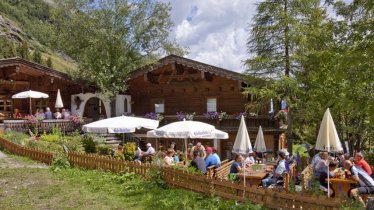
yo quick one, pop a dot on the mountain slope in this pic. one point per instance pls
(25, 25)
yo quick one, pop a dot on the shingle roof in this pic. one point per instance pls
(170, 59)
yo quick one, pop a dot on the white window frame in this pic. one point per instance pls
(160, 106)
(211, 104)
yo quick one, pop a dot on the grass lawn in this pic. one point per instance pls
(42, 188)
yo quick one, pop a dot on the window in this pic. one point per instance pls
(125, 108)
(211, 104)
(5, 105)
(159, 106)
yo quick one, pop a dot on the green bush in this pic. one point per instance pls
(103, 149)
(60, 161)
(73, 143)
(16, 137)
(90, 146)
(45, 146)
(370, 158)
(50, 138)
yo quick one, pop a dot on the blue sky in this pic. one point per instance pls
(215, 31)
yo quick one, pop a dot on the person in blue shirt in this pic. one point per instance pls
(236, 165)
(210, 160)
(217, 157)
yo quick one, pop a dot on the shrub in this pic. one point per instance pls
(89, 144)
(129, 151)
(16, 137)
(60, 161)
(370, 158)
(103, 149)
(45, 146)
(73, 143)
(50, 138)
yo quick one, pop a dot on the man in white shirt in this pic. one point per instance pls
(150, 150)
(278, 173)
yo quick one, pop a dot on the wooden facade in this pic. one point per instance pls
(17, 75)
(183, 85)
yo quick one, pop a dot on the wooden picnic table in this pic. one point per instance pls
(254, 176)
(342, 186)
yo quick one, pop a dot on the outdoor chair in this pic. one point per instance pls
(282, 184)
(223, 171)
(211, 170)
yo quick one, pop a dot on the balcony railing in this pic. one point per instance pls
(45, 125)
(230, 123)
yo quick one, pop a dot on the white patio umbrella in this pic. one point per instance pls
(30, 94)
(328, 139)
(188, 129)
(59, 103)
(242, 144)
(260, 141)
(216, 134)
(121, 124)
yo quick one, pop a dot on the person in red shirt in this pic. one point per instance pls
(359, 161)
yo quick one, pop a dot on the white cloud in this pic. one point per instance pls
(214, 30)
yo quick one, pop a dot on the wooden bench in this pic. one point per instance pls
(211, 169)
(223, 171)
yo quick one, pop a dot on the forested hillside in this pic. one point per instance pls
(107, 39)
(26, 31)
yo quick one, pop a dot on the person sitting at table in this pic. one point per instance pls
(210, 160)
(321, 165)
(277, 176)
(57, 114)
(315, 160)
(260, 156)
(359, 161)
(168, 160)
(138, 154)
(323, 179)
(66, 114)
(172, 146)
(118, 154)
(250, 159)
(236, 167)
(341, 158)
(199, 147)
(215, 154)
(40, 114)
(366, 183)
(189, 153)
(198, 162)
(16, 114)
(176, 155)
(48, 114)
(150, 151)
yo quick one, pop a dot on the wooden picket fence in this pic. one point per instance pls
(271, 198)
(90, 161)
(38, 155)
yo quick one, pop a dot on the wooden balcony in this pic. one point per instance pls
(45, 125)
(230, 123)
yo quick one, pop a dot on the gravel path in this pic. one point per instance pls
(8, 162)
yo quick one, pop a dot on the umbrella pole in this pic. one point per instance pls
(244, 176)
(30, 107)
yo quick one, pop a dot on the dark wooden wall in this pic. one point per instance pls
(187, 94)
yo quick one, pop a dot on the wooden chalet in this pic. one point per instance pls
(177, 84)
(17, 75)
